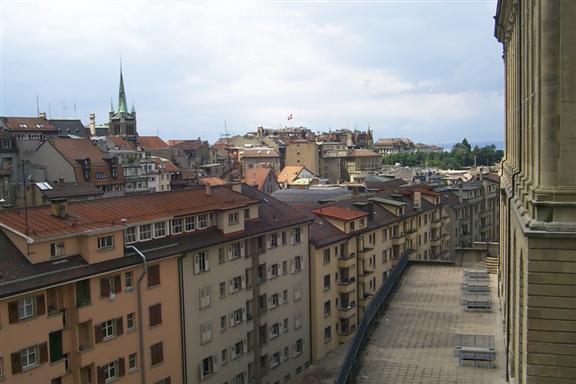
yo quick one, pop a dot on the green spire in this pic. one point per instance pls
(122, 95)
(111, 106)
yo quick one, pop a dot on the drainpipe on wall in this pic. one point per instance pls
(140, 312)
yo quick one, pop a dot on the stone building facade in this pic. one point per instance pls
(538, 190)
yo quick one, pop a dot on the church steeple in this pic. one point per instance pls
(122, 95)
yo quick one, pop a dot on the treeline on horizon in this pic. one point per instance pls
(461, 155)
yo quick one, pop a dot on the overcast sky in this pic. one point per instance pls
(428, 70)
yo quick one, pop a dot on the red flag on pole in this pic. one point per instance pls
(290, 117)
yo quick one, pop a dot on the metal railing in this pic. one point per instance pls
(350, 363)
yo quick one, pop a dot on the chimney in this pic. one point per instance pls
(460, 192)
(417, 200)
(237, 187)
(207, 185)
(92, 124)
(59, 207)
(42, 115)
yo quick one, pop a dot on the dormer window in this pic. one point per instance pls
(233, 218)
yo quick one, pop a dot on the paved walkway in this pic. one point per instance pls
(414, 341)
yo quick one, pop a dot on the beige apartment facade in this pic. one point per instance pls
(354, 246)
(538, 190)
(305, 153)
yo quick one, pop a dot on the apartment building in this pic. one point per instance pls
(360, 163)
(246, 295)
(203, 285)
(354, 245)
(303, 153)
(538, 190)
(76, 306)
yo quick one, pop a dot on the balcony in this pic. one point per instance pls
(346, 330)
(347, 285)
(435, 241)
(365, 299)
(411, 234)
(366, 276)
(436, 223)
(398, 240)
(347, 310)
(347, 262)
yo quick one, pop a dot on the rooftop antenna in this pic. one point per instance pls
(49, 109)
(37, 106)
(74, 110)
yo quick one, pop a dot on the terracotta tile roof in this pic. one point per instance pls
(151, 142)
(340, 212)
(121, 143)
(167, 164)
(289, 173)
(256, 176)
(492, 177)
(106, 213)
(29, 124)
(260, 153)
(187, 145)
(212, 181)
(74, 149)
(363, 153)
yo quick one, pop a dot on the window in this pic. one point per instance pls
(297, 264)
(205, 332)
(224, 356)
(29, 357)
(233, 218)
(246, 213)
(204, 297)
(131, 321)
(221, 256)
(237, 316)
(352, 225)
(299, 347)
(297, 294)
(132, 362)
(274, 270)
(284, 238)
(177, 225)
(153, 275)
(274, 300)
(82, 293)
(326, 256)
(207, 366)
(57, 249)
(274, 330)
(284, 267)
(201, 262)
(105, 242)
(145, 232)
(326, 282)
(236, 284)
(1, 367)
(297, 235)
(26, 308)
(156, 353)
(190, 223)
(110, 286)
(202, 221)
(222, 323)
(130, 235)
(285, 296)
(222, 290)
(160, 229)
(128, 281)
(237, 350)
(108, 329)
(275, 360)
(110, 371)
(273, 240)
(327, 308)
(234, 251)
(327, 334)
(155, 314)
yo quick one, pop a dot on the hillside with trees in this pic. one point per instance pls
(461, 155)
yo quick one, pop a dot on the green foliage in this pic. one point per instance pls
(461, 155)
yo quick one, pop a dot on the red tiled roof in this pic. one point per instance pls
(340, 213)
(167, 164)
(289, 173)
(256, 176)
(120, 142)
(188, 145)
(212, 181)
(74, 149)
(98, 214)
(151, 142)
(29, 123)
(492, 177)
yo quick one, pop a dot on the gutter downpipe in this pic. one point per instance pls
(182, 318)
(140, 312)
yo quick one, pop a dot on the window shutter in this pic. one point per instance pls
(119, 326)
(104, 287)
(243, 282)
(215, 363)
(244, 346)
(16, 363)
(197, 267)
(242, 252)
(167, 380)
(201, 370)
(101, 378)
(243, 314)
(292, 266)
(98, 333)
(121, 367)
(232, 319)
(155, 313)
(43, 352)
(117, 284)
(13, 312)
(207, 261)
(268, 242)
(40, 305)
(153, 275)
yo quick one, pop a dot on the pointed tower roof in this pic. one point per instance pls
(111, 106)
(122, 107)
(133, 110)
